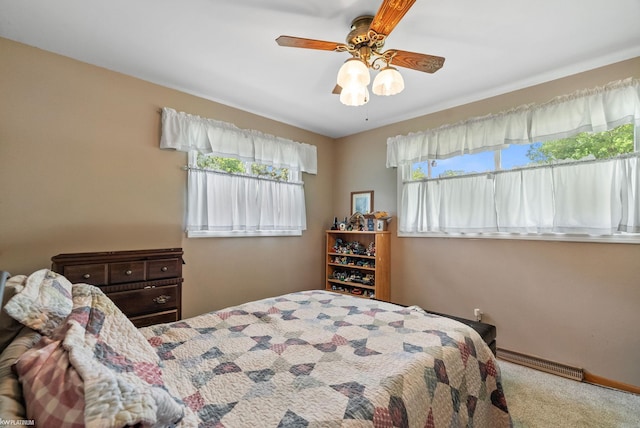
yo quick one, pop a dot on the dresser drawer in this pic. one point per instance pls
(159, 318)
(126, 272)
(94, 274)
(146, 300)
(165, 268)
(145, 284)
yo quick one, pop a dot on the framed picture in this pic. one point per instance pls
(362, 202)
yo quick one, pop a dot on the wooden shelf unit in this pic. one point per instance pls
(351, 270)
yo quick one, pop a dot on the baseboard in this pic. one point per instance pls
(603, 381)
(564, 370)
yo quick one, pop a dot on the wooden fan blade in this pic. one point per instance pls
(416, 61)
(298, 42)
(337, 90)
(389, 14)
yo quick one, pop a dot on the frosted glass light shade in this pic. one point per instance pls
(352, 72)
(388, 82)
(354, 95)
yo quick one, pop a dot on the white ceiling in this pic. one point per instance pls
(225, 50)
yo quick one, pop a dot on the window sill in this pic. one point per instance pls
(242, 234)
(616, 239)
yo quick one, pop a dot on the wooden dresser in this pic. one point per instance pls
(145, 284)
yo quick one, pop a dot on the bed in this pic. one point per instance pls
(307, 359)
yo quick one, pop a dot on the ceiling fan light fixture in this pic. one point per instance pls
(388, 82)
(353, 71)
(365, 42)
(354, 95)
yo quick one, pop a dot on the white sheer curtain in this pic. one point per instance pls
(631, 196)
(594, 197)
(187, 132)
(449, 206)
(222, 204)
(596, 110)
(525, 201)
(589, 110)
(232, 203)
(587, 198)
(489, 132)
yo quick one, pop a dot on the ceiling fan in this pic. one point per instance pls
(365, 42)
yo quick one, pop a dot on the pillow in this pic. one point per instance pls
(11, 399)
(10, 327)
(43, 303)
(53, 391)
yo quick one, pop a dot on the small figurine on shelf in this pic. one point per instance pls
(337, 246)
(357, 222)
(335, 224)
(368, 279)
(371, 249)
(357, 248)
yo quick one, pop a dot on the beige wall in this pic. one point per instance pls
(81, 171)
(574, 303)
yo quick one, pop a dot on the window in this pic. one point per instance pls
(240, 183)
(586, 145)
(579, 180)
(236, 166)
(231, 197)
(459, 165)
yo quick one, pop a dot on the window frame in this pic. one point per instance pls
(294, 178)
(406, 170)
(611, 239)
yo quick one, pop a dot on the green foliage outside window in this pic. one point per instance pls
(232, 165)
(281, 174)
(216, 163)
(452, 173)
(418, 174)
(601, 145)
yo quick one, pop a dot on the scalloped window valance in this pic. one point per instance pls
(589, 200)
(223, 204)
(186, 132)
(595, 110)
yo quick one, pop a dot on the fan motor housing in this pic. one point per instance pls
(359, 35)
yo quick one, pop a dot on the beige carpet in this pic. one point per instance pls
(540, 400)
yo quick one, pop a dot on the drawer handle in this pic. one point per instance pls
(164, 269)
(162, 299)
(86, 276)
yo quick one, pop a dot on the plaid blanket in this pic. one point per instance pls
(322, 359)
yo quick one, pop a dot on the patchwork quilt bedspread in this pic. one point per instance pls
(322, 359)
